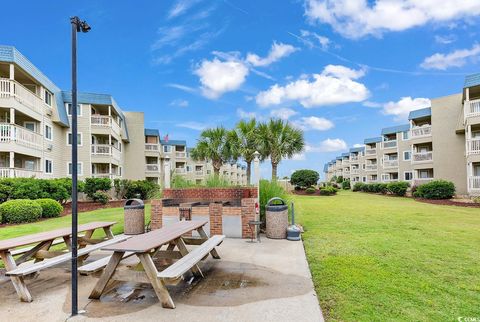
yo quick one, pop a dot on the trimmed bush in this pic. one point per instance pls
(437, 189)
(20, 211)
(101, 197)
(310, 190)
(50, 208)
(92, 185)
(346, 184)
(142, 189)
(339, 179)
(328, 191)
(398, 188)
(304, 178)
(358, 186)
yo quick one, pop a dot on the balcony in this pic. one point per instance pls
(180, 155)
(387, 163)
(419, 181)
(471, 108)
(152, 168)
(105, 175)
(353, 158)
(421, 157)
(355, 171)
(390, 144)
(473, 146)
(180, 170)
(474, 183)
(105, 121)
(106, 150)
(20, 135)
(19, 173)
(421, 131)
(11, 88)
(199, 172)
(346, 172)
(370, 151)
(152, 147)
(371, 167)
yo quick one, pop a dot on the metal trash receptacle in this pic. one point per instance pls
(276, 213)
(134, 217)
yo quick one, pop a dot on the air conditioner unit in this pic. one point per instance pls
(50, 147)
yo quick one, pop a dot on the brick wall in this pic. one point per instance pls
(215, 210)
(210, 194)
(248, 213)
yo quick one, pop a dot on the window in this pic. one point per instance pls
(405, 135)
(80, 168)
(30, 165)
(29, 125)
(189, 168)
(48, 132)
(208, 171)
(48, 166)
(48, 98)
(407, 155)
(423, 174)
(408, 176)
(79, 139)
(364, 179)
(69, 109)
(167, 148)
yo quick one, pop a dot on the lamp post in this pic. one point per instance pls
(77, 26)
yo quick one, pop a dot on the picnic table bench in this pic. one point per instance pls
(43, 256)
(146, 247)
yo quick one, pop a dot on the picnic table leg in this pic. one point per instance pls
(108, 232)
(107, 275)
(46, 247)
(204, 235)
(17, 281)
(68, 241)
(25, 257)
(157, 284)
(184, 251)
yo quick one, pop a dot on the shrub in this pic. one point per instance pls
(20, 211)
(92, 185)
(339, 179)
(50, 208)
(346, 184)
(101, 197)
(304, 178)
(328, 191)
(142, 189)
(358, 186)
(476, 199)
(437, 189)
(121, 187)
(398, 188)
(268, 190)
(310, 190)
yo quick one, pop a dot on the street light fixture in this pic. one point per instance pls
(77, 26)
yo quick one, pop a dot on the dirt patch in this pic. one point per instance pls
(450, 202)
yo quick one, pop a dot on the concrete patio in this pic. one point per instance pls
(267, 281)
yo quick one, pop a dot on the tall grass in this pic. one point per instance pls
(213, 181)
(179, 182)
(268, 190)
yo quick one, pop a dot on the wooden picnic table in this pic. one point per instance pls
(40, 249)
(147, 246)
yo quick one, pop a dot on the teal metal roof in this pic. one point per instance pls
(10, 54)
(395, 129)
(423, 112)
(472, 80)
(373, 140)
(338, 158)
(359, 149)
(173, 142)
(345, 154)
(152, 132)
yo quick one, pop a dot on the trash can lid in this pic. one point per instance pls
(276, 207)
(134, 204)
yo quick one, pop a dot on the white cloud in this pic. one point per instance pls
(401, 108)
(358, 145)
(372, 104)
(218, 77)
(313, 123)
(180, 7)
(181, 87)
(179, 103)
(299, 157)
(277, 52)
(457, 58)
(283, 113)
(335, 85)
(193, 125)
(241, 113)
(328, 145)
(310, 38)
(359, 18)
(445, 40)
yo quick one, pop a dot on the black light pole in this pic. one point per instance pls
(77, 26)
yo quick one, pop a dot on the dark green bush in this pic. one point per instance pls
(50, 208)
(142, 189)
(101, 197)
(346, 184)
(310, 190)
(92, 185)
(437, 189)
(20, 211)
(328, 191)
(339, 179)
(358, 186)
(398, 188)
(304, 178)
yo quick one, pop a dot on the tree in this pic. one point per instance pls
(218, 145)
(247, 133)
(278, 140)
(304, 178)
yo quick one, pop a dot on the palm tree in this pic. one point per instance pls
(247, 133)
(278, 140)
(218, 145)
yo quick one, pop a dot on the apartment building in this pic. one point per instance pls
(35, 135)
(440, 142)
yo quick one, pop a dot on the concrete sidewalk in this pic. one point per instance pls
(267, 281)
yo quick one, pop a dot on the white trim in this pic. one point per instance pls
(29, 122)
(45, 166)
(79, 109)
(404, 172)
(80, 168)
(51, 132)
(81, 138)
(410, 154)
(408, 136)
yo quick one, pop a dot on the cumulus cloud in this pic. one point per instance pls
(313, 123)
(328, 145)
(277, 52)
(218, 77)
(359, 18)
(335, 85)
(310, 39)
(457, 58)
(241, 113)
(402, 108)
(283, 113)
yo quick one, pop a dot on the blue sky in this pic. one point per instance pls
(340, 70)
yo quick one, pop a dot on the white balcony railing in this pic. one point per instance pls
(19, 173)
(180, 170)
(419, 181)
(106, 150)
(11, 88)
(422, 157)
(20, 135)
(152, 168)
(474, 183)
(390, 144)
(199, 172)
(105, 175)
(387, 163)
(473, 146)
(471, 108)
(106, 122)
(355, 171)
(421, 131)
(371, 167)
(346, 172)
(153, 147)
(370, 151)
(180, 154)
(353, 158)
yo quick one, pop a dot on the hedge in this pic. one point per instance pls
(328, 191)
(310, 190)
(50, 208)
(398, 188)
(93, 185)
(20, 211)
(437, 189)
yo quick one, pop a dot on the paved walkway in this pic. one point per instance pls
(269, 281)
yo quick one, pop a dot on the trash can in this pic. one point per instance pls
(276, 213)
(134, 215)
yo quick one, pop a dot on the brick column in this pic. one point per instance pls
(156, 212)
(248, 213)
(215, 211)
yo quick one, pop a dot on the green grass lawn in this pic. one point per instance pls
(379, 258)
